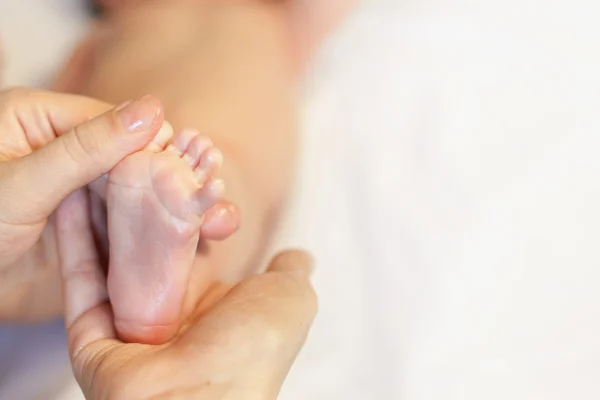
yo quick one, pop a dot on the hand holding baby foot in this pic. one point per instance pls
(50, 147)
(239, 345)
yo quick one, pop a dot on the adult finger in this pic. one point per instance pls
(87, 316)
(41, 180)
(43, 115)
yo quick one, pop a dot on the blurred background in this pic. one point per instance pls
(449, 188)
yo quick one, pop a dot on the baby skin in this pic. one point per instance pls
(157, 200)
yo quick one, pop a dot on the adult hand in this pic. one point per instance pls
(49, 147)
(239, 344)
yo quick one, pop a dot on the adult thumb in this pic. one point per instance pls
(43, 179)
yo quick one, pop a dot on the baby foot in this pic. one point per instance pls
(156, 205)
(220, 221)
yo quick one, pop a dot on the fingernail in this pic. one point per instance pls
(139, 115)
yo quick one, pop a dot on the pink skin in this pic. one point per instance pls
(220, 221)
(157, 202)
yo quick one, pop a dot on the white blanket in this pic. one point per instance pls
(449, 189)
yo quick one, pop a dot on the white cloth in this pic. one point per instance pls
(449, 189)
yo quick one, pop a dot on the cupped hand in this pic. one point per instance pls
(239, 343)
